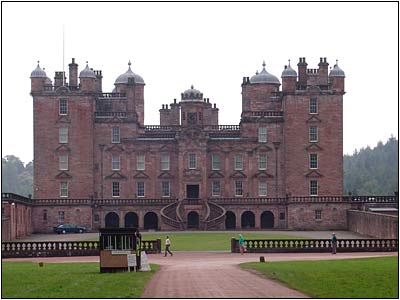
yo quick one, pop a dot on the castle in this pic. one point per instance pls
(97, 164)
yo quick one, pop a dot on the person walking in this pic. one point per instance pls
(334, 243)
(167, 245)
(241, 244)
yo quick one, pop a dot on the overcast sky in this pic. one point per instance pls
(210, 45)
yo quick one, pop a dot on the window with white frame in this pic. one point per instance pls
(192, 161)
(216, 162)
(63, 135)
(216, 188)
(164, 161)
(313, 161)
(115, 135)
(318, 214)
(63, 189)
(262, 188)
(61, 217)
(140, 189)
(140, 162)
(313, 134)
(262, 161)
(116, 189)
(313, 188)
(262, 134)
(238, 162)
(115, 162)
(313, 108)
(165, 192)
(63, 107)
(45, 215)
(63, 162)
(238, 188)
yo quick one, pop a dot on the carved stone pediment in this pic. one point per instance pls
(313, 119)
(63, 148)
(314, 174)
(115, 148)
(116, 175)
(140, 175)
(62, 90)
(194, 174)
(313, 90)
(166, 175)
(262, 174)
(238, 174)
(216, 174)
(313, 147)
(63, 119)
(261, 148)
(63, 175)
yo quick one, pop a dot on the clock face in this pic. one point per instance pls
(192, 118)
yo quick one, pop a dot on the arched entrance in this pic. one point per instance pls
(267, 219)
(230, 220)
(112, 220)
(248, 220)
(150, 220)
(131, 220)
(193, 220)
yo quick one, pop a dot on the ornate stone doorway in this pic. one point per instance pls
(193, 220)
(267, 219)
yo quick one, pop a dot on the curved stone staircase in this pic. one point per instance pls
(213, 215)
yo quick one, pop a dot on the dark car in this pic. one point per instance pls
(67, 228)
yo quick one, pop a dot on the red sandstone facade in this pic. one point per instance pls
(96, 163)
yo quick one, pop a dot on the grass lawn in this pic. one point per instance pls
(347, 278)
(70, 280)
(207, 241)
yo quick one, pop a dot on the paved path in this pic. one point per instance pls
(215, 274)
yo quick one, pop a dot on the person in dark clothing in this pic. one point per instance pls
(334, 243)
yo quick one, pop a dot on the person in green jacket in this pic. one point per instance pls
(334, 243)
(241, 244)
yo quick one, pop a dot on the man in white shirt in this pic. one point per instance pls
(167, 245)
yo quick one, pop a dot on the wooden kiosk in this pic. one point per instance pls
(118, 246)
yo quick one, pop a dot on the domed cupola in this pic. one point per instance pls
(288, 71)
(123, 79)
(336, 71)
(192, 95)
(264, 77)
(87, 72)
(38, 73)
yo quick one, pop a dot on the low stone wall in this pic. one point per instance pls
(373, 224)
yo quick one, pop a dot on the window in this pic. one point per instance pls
(115, 189)
(164, 161)
(115, 161)
(96, 218)
(140, 189)
(216, 188)
(238, 188)
(313, 134)
(262, 188)
(63, 189)
(165, 188)
(115, 135)
(44, 214)
(216, 162)
(183, 116)
(140, 162)
(262, 134)
(282, 216)
(61, 217)
(63, 107)
(313, 161)
(313, 106)
(238, 162)
(318, 214)
(313, 188)
(192, 161)
(262, 161)
(63, 135)
(63, 162)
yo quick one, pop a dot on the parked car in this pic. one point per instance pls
(67, 228)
